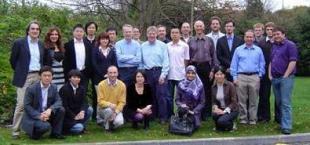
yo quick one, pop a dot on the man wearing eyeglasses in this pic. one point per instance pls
(26, 60)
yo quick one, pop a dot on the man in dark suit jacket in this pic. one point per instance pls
(77, 55)
(26, 60)
(226, 46)
(43, 107)
(75, 102)
(263, 112)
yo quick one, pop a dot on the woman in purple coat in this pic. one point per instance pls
(190, 95)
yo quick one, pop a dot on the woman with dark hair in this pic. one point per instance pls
(139, 101)
(102, 57)
(54, 55)
(190, 95)
(224, 101)
(90, 29)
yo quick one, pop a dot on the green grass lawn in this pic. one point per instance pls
(301, 124)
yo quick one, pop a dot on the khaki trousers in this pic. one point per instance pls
(19, 109)
(248, 95)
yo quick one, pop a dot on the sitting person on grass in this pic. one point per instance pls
(139, 101)
(190, 95)
(111, 100)
(75, 103)
(224, 101)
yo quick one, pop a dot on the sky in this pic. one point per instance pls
(288, 4)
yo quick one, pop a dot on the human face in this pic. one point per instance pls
(175, 34)
(190, 75)
(127, 32)
(54, 36)
(78, 33)
(249, 38)
(104, 42)
(269, 31)
(75, 80)
(46, 78)
(112, 73)
(278, 36)
(112, 35)
(229, 28)
(161, 32)
(151, 36)
(34, 31)
(258, 32)
(91, 29)
(136, 34)
(139, 78)
(199, 27)
(219, 77)
(215, 25)
(185, 29)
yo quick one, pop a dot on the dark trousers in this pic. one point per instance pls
(84, 82)
(126, 74)
(170, 102)
(225, 122)
(203, 71)
(159, 94)
(263, 113)
(55, 123)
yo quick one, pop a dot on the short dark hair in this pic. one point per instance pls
(89, 23)
(215, 18)
(78, 26)
(143, 74)
(229, 21)
(279, 28)
(74, 72)
(111, 29)
(30, 23)
(45, 69)
(219, 69)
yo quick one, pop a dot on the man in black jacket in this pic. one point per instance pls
(226, 46)
(75, 103)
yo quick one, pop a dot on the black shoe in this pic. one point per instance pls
(286, 131)
(57, 136)
(135, 125)
(146, 124)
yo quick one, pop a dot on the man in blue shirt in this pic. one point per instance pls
(247, 67)
(128, 54)
(155, 61)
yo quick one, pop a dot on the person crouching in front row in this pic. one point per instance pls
(111, 100)
(75, 103)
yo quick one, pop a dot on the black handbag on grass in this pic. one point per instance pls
(182, 123)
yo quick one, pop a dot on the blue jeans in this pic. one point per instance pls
(79, 127)
(282, 89)
(126, 74)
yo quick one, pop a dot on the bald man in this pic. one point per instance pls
(202, 56)
(111, 100)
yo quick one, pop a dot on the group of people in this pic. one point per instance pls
(216, 75)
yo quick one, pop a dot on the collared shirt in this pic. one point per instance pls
(34, 54)
(185, 39)
(74, 88)
(178, 53)
(281, 55)
(215, 36)
(80, 54)
(112, 83)
(128, 53)
(202, 50)
(105, 52)
(247, 60)
(230, 39)
(155, 55)
(44, 93)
